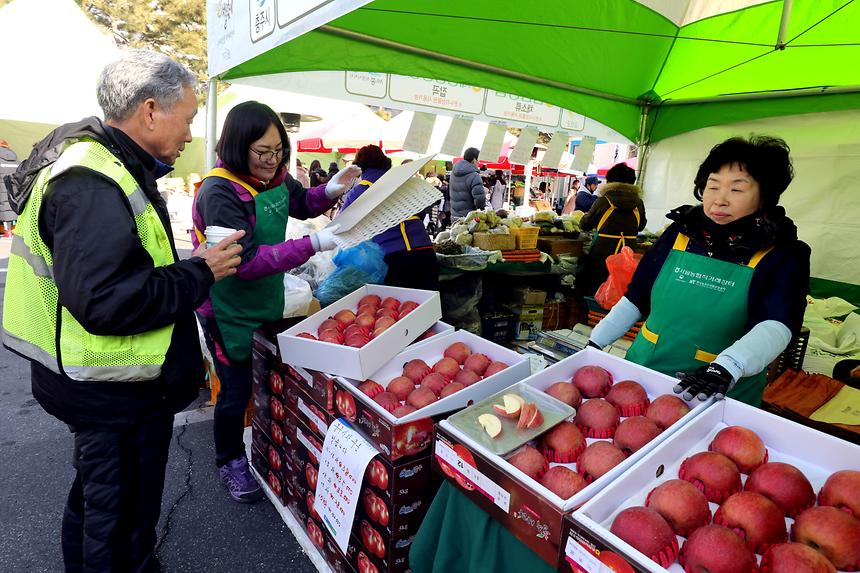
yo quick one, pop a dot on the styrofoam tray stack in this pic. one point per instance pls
(816, 454)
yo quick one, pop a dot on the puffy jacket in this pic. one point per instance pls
(106, 279)
(8, 164)
(466, 189)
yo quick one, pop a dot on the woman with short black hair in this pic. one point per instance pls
(250, 189)
(724, 288)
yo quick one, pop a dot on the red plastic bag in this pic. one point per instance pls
(621, 268)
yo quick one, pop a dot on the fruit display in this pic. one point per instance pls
(832, 532)
(665, 410)
(646, 530)
(784, 484)
(633, 433)
(421, 384)
(356, 328)
(717, 549)
(842, 490)
(628, 397)
(794, 558)
(681, 504)
(760, 521)
(597, 459)
(742, 446)
(597, 418)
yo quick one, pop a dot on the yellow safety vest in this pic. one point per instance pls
(36, 326)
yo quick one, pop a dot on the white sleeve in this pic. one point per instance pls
(615, 324)
(752, 352)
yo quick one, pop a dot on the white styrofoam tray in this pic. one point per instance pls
(360, 363)
(814, 453)
(654, 383)
(431, 352)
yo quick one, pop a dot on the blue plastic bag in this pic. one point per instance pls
(357, 266)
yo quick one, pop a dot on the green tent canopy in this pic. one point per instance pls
(649, 69)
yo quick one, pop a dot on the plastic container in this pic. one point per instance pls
(215, 234)
(527, 237)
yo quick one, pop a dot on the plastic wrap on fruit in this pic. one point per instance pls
(357, 266)
(464, 239)
(459, 229)
(443, 236)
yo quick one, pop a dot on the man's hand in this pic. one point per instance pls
(705, 382)
(224, 257)
(342, 181)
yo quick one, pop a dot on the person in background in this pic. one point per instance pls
(445, 205)
(251, 190)
(8, 164)
(408, 250)
(465, 186)
(617, 216)
(332, 169)
(315, 165)
(541, 191)
(724, 288)
(586, 197)
(302, 175)
(318, 177)
(570, 202)
(497, 192)
(99, 301)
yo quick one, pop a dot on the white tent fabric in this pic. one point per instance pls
(55, 55)
(822, 200)
(683, 12)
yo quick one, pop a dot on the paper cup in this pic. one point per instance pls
(215, 235)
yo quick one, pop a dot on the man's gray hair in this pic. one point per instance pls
(139, 75)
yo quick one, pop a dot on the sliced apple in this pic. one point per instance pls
(491, 424)
(510, 408)
(530, 417)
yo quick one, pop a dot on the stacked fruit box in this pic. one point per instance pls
(548, 465)
(725, 493)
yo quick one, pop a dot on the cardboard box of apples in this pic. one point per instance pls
(622, 411)
(727, 493)
(360, 333)
(396, 409)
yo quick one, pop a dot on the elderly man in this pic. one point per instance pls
(99, 302)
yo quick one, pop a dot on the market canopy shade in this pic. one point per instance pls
(687, 63)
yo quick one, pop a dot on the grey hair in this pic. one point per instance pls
(139, 75)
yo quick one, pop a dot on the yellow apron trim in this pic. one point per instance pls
(405, 238)
(622, 240)
(365, 182)
(681, 242)
(756, 258)
(201, 238)
(648, 335)
(223, 173)
(638, 217)
(703, 356)
(606, 214)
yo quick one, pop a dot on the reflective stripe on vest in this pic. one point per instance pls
(31, 308)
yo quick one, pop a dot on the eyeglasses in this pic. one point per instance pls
(267, 156)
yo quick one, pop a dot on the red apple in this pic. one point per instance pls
(842, 490)
(714, 474)
(832, 532)
(742, 446)
(330, 324)
(784, 484)
(354, 329)
(367, 309)
(794, 558)
(714, 549)
(370, 299)
(758, 520)
(477, 363)
(592, 381)
(416, 370)
(331, 335)
(403, 410)
(467, 377)
(648, 532)
(450, 389)
(391, 302)
(345, 317)
(306, 335)
(366, 321)
(386, 312)
(371, 388)
(494, 367)
(421, 397)
(667, 409)
(447, 367)
(406, 308)
(681, 504)
(435, 382)
(401, 387)
(458, 351)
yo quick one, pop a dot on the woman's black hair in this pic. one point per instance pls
(372, 157)
(316, 177)
(315, 164)
(621, 173)
(500, 176)
(245, 124)
(767, 160)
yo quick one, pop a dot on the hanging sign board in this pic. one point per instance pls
(522, 153)
(343, 461)
(584, 154)
(455, 139)
(418, 137)
(516, 108)
(372, 84)
(557, 145)
(439, 94)
(492, 146)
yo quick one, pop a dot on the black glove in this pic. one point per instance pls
(593, 344)
(705, 382)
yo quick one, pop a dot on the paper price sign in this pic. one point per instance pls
(343, 461)
(576, 553)
(482, 483)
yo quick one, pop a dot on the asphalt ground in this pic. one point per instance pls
(201, 528)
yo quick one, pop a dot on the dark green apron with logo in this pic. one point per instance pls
(241, 306)
(698, 309)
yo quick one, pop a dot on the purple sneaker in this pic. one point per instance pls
(241, 484)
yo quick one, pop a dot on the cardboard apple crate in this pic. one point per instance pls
(411, 435)
(360, 363)
(814, 453)
(276, 480)
(531, 512)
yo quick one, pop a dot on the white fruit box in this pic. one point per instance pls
(654, 383)
(814, 453)
(359, 363)
(437, 329)
(431, 351)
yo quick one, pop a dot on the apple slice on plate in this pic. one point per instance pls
(511, 407)
(491, 424)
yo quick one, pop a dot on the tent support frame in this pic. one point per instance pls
(783, 24)
(643, 145)
(211, 123)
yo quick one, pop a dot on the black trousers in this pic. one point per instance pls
(413, 269)
(237, 382)
(114, 503)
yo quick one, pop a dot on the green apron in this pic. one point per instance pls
(698, 309)
(241, 306)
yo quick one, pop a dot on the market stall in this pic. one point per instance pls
(652, 96)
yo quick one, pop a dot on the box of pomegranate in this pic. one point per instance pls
(361, 332)
(728, 492)
(533, 452)
(396, 407)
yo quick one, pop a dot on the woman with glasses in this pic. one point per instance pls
(250, 189)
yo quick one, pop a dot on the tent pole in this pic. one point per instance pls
(783, 24)
(643, 144)
(211, 123)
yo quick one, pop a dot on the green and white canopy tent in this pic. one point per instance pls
(675, 76)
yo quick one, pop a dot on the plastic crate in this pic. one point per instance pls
(494, 242)
(498, 326)
(527, 237)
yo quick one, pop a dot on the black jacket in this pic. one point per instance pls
(8, 164)
(779, 284)
(107, 281)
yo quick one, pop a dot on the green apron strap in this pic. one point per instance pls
(698, 309)
(241, 306)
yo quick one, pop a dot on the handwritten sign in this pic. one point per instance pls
(343, 461)
(522, 153)
(556, 147)
(455, 139)
(584, 154)
(418, 137)
(492, 146)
